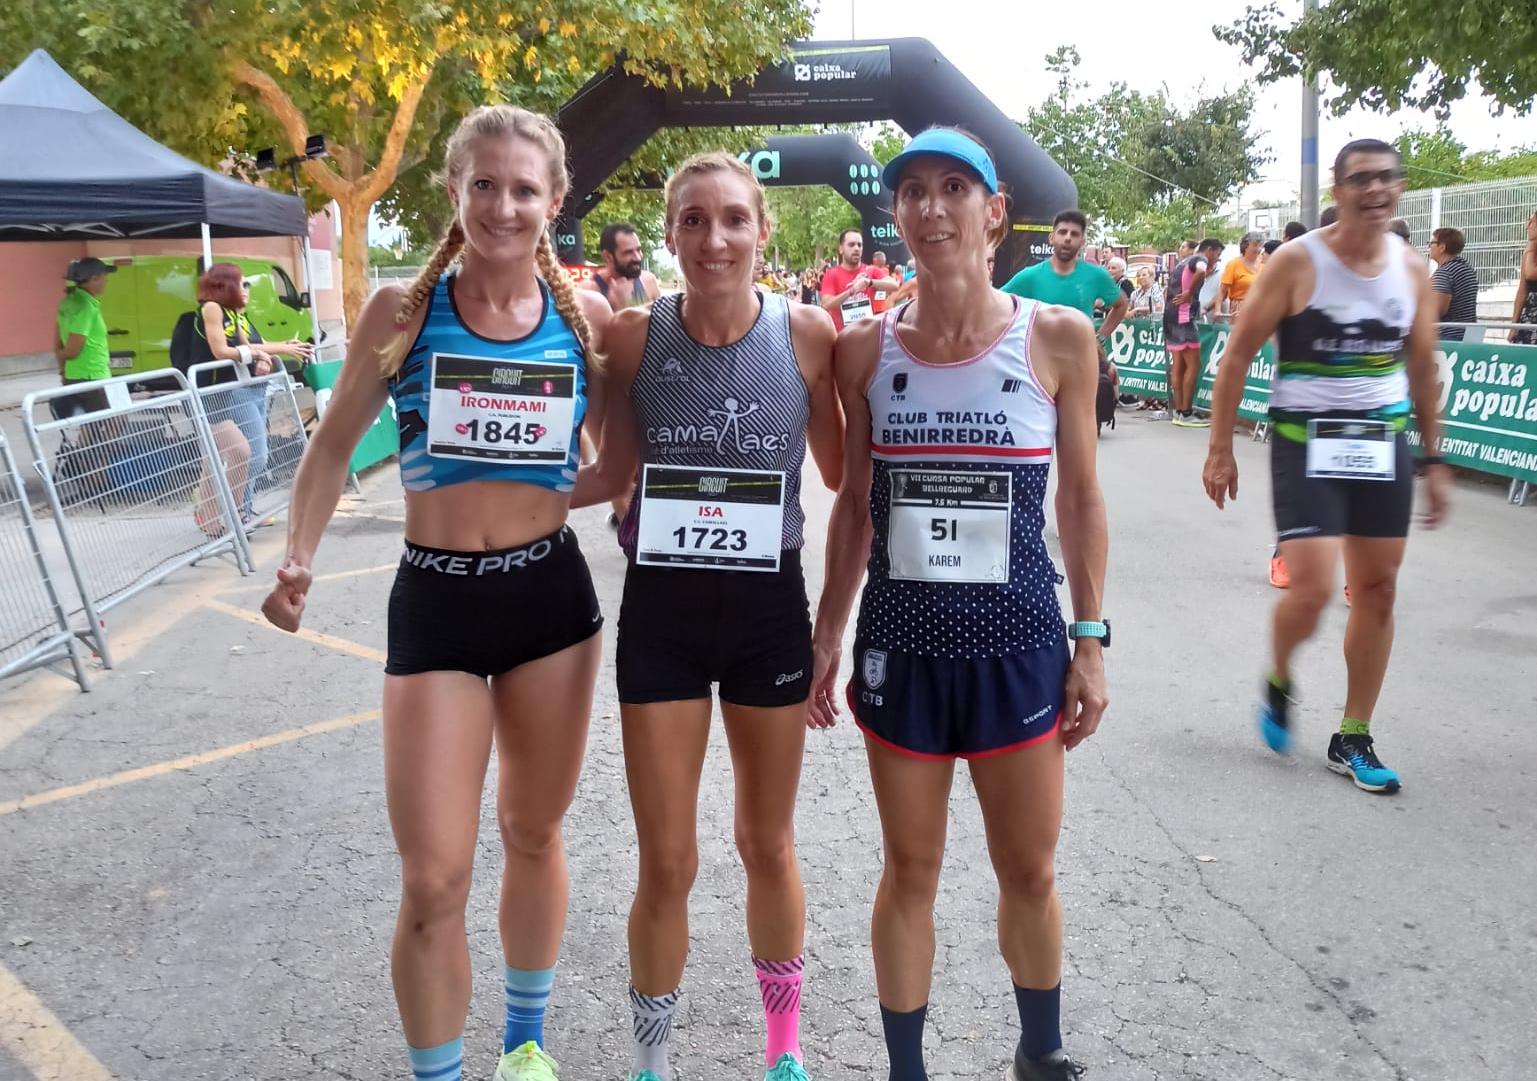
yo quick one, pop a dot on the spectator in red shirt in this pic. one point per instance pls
(847, 288)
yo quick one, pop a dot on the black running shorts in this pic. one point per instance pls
(682, 629)
(488, 612)
(1177, 335)
(1327, 507)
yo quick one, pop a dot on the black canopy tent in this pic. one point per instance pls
(75, 170)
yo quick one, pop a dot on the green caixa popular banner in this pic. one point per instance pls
(381, 441)
(1136, 348)
(1488, 403)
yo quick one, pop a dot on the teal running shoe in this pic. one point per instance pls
(644, 1075)
(1354, 757)
(788, 1068)
(527, 1062)
(1274, 722)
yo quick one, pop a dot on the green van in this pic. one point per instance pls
(149, 293)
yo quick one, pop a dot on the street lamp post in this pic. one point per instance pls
(266, 161)
(1309, 186)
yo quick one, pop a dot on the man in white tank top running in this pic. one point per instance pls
(1353, 309)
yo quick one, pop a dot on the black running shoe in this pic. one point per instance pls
(1057, 1066)
(1355, 757)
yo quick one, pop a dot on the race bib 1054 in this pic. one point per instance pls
(1352, 449)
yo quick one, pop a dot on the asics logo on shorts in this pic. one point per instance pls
(465, 566)
(782, 679)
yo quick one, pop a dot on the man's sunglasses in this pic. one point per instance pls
(1365, 179)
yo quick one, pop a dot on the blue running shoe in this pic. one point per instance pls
(645, 1075)
(788, 1068)
(1274, 722)
(1354, 757)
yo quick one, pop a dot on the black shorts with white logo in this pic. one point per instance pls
(488, 612)
(682, 629)
(1331, 507)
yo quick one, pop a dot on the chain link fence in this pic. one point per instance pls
(1491, 215)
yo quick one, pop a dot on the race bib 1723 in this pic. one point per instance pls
(714, 519)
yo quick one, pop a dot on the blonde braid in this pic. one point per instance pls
(393, 353)
(565, 298)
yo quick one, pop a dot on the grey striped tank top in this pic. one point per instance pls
(738, 406)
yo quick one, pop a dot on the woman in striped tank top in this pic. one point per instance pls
(489, 370)
(956, 404)
(717, 392)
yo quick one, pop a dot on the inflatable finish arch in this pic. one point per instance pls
(905, 80)
(837, 161)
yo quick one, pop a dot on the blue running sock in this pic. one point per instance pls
(441, 1063)
(1040, 1021)
(528, 993)
(904, 1043)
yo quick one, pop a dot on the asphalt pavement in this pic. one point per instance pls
(197, 879)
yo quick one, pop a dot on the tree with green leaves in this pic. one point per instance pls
(1146, 170)
(381, 79)
(1434, 159)
(1398, 54)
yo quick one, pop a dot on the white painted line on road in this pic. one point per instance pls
(191, 761)
(38, 1040)
(360, 572)
(329, 641)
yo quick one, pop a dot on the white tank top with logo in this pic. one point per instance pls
(738, 406)
(961, 454)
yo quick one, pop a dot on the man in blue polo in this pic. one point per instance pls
(1066, 280)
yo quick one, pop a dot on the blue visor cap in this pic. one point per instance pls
(946, 144)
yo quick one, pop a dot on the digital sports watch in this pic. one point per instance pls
(1087, 629)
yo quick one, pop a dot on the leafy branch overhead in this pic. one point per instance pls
(1148, 172)
(1399, 54)
(384, 80)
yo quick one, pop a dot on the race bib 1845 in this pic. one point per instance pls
(501, 410)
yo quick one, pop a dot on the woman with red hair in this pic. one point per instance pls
(239, 414)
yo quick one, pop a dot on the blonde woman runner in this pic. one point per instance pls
(492, 370)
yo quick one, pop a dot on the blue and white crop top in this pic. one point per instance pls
(476, 408)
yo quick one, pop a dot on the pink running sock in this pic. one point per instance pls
(780, 983)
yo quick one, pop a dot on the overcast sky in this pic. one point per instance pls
(1001, 47)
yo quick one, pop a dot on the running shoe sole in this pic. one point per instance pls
(1344, 770)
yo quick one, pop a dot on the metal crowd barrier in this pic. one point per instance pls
(34, 630)
(1476, 332)
(134, 486)
(258, 431)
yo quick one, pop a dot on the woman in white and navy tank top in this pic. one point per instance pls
(720, 389)
(957, 403)
(488, 370)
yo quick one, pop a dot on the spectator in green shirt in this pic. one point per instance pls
(1066, 280)
(82, 341)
